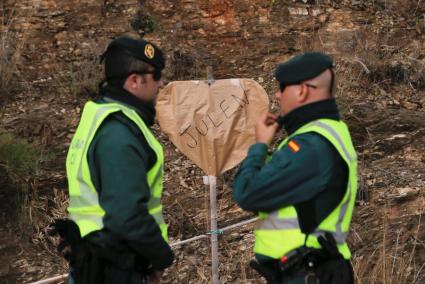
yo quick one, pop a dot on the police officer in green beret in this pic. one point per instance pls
(304, 193)
(115, 174)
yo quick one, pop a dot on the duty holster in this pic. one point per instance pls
(294, 262)
(268, 270)
(96, 263)
(325, 264)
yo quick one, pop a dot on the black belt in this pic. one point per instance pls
(327, 263)
(273, 274)
(300, 262)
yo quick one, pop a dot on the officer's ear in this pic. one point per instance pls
(303, 93)
(131, 83)
(134, 78)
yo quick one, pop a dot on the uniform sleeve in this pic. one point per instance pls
(290, 177)
(121, 166)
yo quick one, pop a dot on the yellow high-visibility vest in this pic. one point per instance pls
(279, 232)
(84, 208)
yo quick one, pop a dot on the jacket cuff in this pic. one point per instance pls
(258, 150)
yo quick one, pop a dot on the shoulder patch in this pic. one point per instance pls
(294, 146)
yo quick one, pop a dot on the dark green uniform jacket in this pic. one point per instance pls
(119, 158)
(313, 179)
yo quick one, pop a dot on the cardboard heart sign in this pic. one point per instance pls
(212, 125)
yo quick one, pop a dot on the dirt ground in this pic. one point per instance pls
(379, 49)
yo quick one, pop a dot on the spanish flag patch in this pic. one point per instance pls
(294, 146)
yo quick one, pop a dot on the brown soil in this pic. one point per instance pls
(379, 47)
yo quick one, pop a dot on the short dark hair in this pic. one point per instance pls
(119, 65)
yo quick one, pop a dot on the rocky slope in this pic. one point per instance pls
(379, 47)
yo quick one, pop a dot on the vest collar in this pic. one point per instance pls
(305, 114)
(146, 110)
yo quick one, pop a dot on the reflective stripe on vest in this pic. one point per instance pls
(279, 232)
(84, 207)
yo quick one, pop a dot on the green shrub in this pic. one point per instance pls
(19, 158)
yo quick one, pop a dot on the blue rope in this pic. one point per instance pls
(215, 232)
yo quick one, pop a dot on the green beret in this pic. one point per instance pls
(302, 67)
(139, 49)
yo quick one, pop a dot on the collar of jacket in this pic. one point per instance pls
(305, 114)
(146, 110)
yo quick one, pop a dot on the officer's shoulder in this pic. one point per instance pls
(117, 127)
(309, 142)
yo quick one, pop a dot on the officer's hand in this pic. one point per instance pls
(66, 235)
(155, 277)
(335, 271)
(64, 249)
(266, 128)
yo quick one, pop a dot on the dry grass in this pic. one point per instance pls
(22, 162)
(83, 78)
(144, 23)
(403, 8)
(390, 264)
(11, 46)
